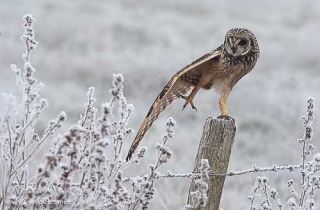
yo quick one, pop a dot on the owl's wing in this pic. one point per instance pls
(175, 87)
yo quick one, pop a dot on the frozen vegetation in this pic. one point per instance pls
(82, 169)
(83, 43)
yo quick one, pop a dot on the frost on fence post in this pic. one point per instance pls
(215, 146)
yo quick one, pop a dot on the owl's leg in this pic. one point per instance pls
(189, 100)
(223, 103)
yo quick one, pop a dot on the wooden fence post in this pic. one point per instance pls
(215, 145)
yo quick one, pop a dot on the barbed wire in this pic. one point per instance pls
(254, 169)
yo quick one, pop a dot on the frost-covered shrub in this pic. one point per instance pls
(82, 169)
(199, 196)
(304, 198)
(19, 142)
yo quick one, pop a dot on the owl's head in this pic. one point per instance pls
(240, 41)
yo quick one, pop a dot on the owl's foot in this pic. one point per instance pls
(225, 117)
(188, 101)
(192, 105)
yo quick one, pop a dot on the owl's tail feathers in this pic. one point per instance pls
(135, 143)
(146, 124)
(131, 151)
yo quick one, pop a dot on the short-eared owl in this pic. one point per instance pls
(221, 69)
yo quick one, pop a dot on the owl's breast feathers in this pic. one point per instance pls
(223, 70)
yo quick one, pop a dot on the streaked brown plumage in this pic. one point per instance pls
(221, 69)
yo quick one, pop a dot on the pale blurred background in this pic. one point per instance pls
(83, 42)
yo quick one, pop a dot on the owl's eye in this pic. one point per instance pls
(243, 42)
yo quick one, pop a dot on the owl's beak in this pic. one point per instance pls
(232, 42)
(233, 48)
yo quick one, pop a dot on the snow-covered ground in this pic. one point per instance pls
(83, 42)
